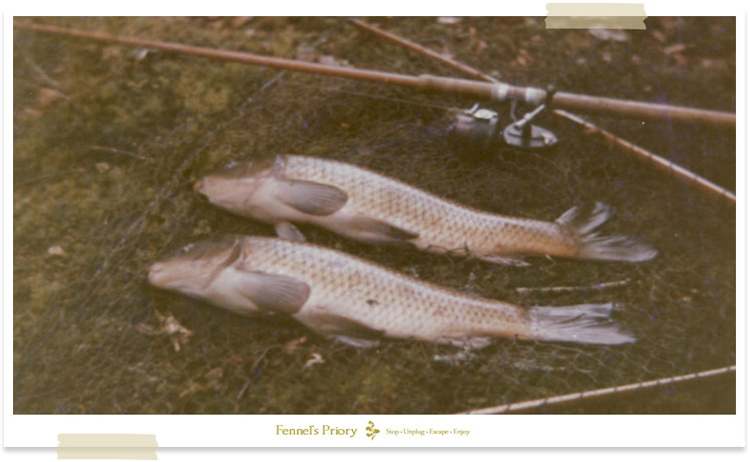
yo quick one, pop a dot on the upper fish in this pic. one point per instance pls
(359, 302)
(368, 207)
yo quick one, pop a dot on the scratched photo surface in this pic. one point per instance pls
(112, 145)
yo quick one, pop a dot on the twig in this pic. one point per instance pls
(252, 370)
(120, 151)
(600, 286)
(43, 75)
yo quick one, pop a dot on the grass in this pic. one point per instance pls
(107, 146)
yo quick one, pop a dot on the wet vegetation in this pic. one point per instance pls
(108, 141)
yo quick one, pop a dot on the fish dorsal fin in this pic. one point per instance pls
(312, 198)
(383, 230)
(273, 292)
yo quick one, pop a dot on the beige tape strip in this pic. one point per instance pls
(595, 16)
(82, 446)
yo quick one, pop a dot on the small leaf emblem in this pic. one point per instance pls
(371, 430)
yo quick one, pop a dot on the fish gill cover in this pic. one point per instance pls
(109, 141)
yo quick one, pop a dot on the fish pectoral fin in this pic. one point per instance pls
(287, 230)
(274, 292)
(502, 260)
(346, 329)
(312, 198)
(382, 230)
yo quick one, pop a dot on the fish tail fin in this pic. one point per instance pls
(578, 324)
(583, 222)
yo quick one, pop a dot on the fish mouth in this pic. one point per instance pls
(156, 275)
(199, 185)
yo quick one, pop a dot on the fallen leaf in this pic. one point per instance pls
(112, 52)
(448, 20)
(615, 35)
(316, 359)
(168, 325)
(680, 59)
(214, 375)
(57, 250)
(329, 60)
(658, 35)
(240, 21)
(476, 44)
(529, 21)
(523, 59)
(143, 53)
(708, 63)
(676, 48)
(48, 96)
(32, 113)
(579, 39)
(192, 388)
(292, 346)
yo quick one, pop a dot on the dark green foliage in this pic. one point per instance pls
(104, 170)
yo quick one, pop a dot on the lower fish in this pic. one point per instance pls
(369, 207)
(359, 302)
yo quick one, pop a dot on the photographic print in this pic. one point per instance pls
(401, 216)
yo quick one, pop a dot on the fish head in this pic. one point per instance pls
(196, 266)
(232, 186)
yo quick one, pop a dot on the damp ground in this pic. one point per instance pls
(108, 141)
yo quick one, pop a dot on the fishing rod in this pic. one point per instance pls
(477, 126)
(498, 92)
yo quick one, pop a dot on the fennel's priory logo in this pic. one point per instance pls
(371, 430)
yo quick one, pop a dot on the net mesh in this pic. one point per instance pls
(109, 140)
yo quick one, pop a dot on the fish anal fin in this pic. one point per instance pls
(312, 198)
(274, 292)
(502, 259)
(357, 341)
(468, 341)
(382, 230)
(287, 230)
(343, 327)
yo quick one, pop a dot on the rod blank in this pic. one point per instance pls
(474, 89)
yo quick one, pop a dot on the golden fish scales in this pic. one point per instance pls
(358, 302)
(368, 207)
